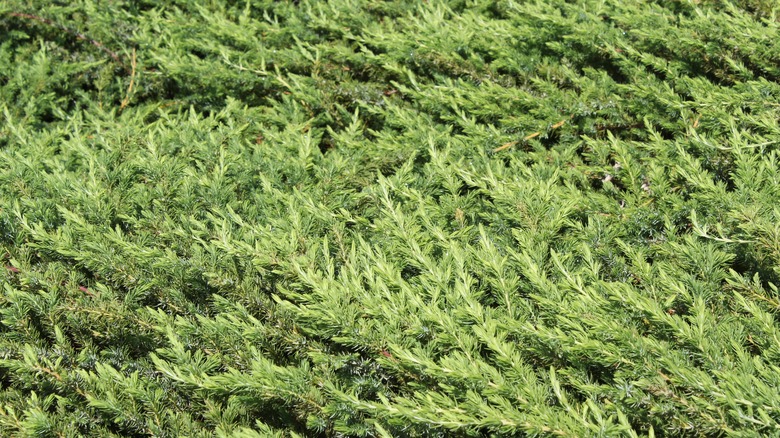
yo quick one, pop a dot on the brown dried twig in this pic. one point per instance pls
(126, 100)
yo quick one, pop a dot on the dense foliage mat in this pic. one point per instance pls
(398, 218)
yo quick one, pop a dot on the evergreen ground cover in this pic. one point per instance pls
(399, 218)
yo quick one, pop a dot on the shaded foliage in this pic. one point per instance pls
(400, 218)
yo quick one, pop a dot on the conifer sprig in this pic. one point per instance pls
(350, 218)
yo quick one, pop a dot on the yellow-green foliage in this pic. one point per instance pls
(399, 218)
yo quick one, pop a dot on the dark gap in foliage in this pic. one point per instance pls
(6, 378)
(749, 263)
(506, 160)
(549, 140)
(467, 190)
(410, 272)
(326, 143)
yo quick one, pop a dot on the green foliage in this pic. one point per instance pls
(401, 218)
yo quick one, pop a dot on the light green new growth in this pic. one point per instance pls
(403, 218)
